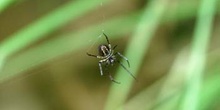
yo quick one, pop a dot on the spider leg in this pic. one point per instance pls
(110, 76)
(114, 47)
(100, 68)
(112, 79)
(127, 70)
(123, 58)
(106, 38)
(93, 55)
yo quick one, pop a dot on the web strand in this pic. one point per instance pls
(102, 27)
(94, 42)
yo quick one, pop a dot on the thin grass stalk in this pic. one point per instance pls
(4, 4)
(209, 93)
(197, 59)
(172, 84)
(163, 89)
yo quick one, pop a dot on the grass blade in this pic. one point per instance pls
(198, 55)
(4, 4)
(145, 99)
(46, 25)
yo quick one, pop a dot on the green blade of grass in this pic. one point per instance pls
(198, 55)
(5, 3)
(46, 25)
(211, 90)
(145, 99)
(162, 90)
(172, 84)
(135, 52)
(184, 10)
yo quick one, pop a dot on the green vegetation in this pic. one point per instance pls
(191, 82)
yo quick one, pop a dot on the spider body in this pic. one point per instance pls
(107, 54)
(103, 50)
(108, 57)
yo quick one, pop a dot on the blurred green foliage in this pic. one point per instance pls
(189, 84)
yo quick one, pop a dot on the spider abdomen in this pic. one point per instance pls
(103, 50)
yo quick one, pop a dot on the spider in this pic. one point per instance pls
(108, 57)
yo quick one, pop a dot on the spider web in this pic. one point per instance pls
(95, 43)
(98, 40)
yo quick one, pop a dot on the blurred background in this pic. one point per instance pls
(173, 47)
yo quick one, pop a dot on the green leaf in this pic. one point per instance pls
(197, 61)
